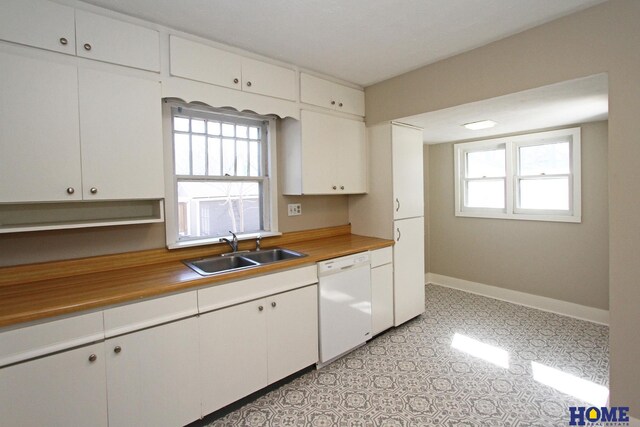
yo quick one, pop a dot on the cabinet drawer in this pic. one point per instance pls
(381, 256)
(232, 293)
(38, 23)
(132, 317)
(32, 341)
(109, 40)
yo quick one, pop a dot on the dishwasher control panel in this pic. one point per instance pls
(343, 263)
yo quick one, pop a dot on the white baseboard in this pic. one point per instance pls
(565, 308)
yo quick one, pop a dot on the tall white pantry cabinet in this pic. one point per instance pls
(394, 209)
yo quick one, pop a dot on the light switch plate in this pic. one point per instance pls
(294, 209)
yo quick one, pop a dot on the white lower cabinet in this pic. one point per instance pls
(381, 298)
(408, 269)
(248, 346)
(152, 376)
(66, 389)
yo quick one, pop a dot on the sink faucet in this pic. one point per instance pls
(258, 240)
(233, 242)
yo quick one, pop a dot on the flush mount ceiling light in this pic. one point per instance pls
(483, 124)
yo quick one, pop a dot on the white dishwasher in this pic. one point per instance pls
(344, 305)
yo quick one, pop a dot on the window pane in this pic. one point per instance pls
(182, 153)
(546, 159)
(197, 126)
(181, 124)
(215, 166)
(490, 163)
(242, 158)
(213, 128)
(254, 133)
(241, 131)
(544, 193)
(228, 156)
(228, 129)
(254, 158)
(217, 207)
(198, 154)
(485, 194)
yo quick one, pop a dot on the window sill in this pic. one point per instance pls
(216, 240)
(525, 217)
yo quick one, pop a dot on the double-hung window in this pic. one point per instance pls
(222, 180)
(534, 176)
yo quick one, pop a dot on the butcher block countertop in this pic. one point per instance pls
(39, 291)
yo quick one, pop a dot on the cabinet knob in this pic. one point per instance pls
(333, 102)
(70, 190)
(87, 46)
(260, 308)
(334, 187)
(117, 349)
(249, 84)
(63, 41)
(340, 105)
(236, 81)
(342, 187)
(273, 304)
(93, 190)
(93, 358)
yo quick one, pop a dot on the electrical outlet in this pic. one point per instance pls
(295, 209)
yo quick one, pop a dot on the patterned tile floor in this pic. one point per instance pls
(411, 375)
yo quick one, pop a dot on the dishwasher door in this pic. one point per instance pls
(344, 305)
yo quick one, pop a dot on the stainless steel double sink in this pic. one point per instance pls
(240, 260)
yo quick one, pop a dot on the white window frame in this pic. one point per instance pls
(512, 145)
(270, 184)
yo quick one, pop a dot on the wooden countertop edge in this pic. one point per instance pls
(192, 280)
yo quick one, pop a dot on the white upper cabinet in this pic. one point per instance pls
(197, 61)
(38, 23)
(268, 79)
(408, 183)
(110, 40)
(39, 138)
(325, 154)
(317, 91)
(121, 134)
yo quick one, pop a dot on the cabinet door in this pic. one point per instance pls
(349, 100)
(333, 154)
(267, 79)
(121, 134)
(118, 42)
(292, 331)
(408, 269)
(233, 353)
(152, 376)
(408, 182)
(61, 390)
(320, 141)
(197, 61)
(38, 23)
(351, 160)
(381, 298)
(39, 141)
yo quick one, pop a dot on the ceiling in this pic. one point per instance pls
(575, 101)
(361, 41)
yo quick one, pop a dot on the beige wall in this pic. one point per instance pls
(24, 248)
(604, 38)
(565, 261)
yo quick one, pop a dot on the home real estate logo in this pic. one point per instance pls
(603, 416)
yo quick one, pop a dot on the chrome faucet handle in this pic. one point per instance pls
(258, 240)
(234, 244)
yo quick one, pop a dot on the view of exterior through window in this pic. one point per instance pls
(534, 176)
(220, 173)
